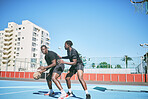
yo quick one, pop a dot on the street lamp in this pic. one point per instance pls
(145, 45)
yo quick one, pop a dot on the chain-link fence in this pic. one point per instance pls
(134, 64)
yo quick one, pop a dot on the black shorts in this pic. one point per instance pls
(75, 68)
(57, 69)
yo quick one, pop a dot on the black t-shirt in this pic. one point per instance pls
(50, 56)
(73, 54)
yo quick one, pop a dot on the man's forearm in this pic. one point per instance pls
(49, 66)
(65, 57)
(70, 63)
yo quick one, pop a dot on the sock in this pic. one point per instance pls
(69, 90)
(63, 92)
(50, 90)
(86, 91)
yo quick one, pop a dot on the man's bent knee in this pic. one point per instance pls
(67, 78)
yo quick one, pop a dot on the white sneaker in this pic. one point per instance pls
(49, 94)
(63, 96)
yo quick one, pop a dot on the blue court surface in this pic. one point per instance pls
(36, 90)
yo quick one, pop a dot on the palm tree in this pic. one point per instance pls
(93, 65)
(126, 59)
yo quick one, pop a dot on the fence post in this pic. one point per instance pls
(141, 68)
(14, 67)
(6, 68)
(24, 67)
(118, 78)
(110, 68)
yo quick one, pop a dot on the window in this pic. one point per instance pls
(18, 49)
(19, 33)
(21, 47)
(18, 43)
(17, 54)
(41, 41)
(33, 44)
(36, 29)
(33, 49)
(47, 39)
(22, 37)
(33, 39)
(42, 33)
(34, 34)
(20, 28)
(23, 27)
(33, 60)
(19, 39)
(34, 55)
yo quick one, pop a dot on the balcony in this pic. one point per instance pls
(7, 42)
(7, 47)
(6, 52)
(8, 30)
(6, 56)
(8, 34)
(6, 61)
(7, 38)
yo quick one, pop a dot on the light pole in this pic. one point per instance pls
(146, 59)
(61, 51)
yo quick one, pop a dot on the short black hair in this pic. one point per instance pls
(43, 46)
(68, 42)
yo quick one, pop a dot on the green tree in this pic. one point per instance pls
(93, 65)
(126, 59)
(98, 66)
(104, 65)
(118, 66)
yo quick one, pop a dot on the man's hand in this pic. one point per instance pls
(42, 68)
(60, 61)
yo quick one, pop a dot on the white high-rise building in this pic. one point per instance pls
(20, 44)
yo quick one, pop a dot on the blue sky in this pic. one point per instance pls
(98, 28)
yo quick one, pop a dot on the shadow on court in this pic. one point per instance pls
(104, 89)
(54, 96)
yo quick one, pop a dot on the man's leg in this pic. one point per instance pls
(80, 77)
(83, 83)
(49, 82)
(58, 84)
(56, 81)
(68, 82)
(67, 78)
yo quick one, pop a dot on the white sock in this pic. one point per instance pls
(50, 90)
(63, 92)
(69, 90)
(86, 91)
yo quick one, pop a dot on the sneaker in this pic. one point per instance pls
(63, 96)
(70, 94)
(49, 94)
(88, 96)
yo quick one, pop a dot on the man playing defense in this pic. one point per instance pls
(55, 71)
(76, 66)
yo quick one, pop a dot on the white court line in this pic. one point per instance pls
(16, 92)
(24, 87)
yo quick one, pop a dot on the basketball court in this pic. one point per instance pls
(35, 90)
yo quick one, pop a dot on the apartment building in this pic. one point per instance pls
(20, 44)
